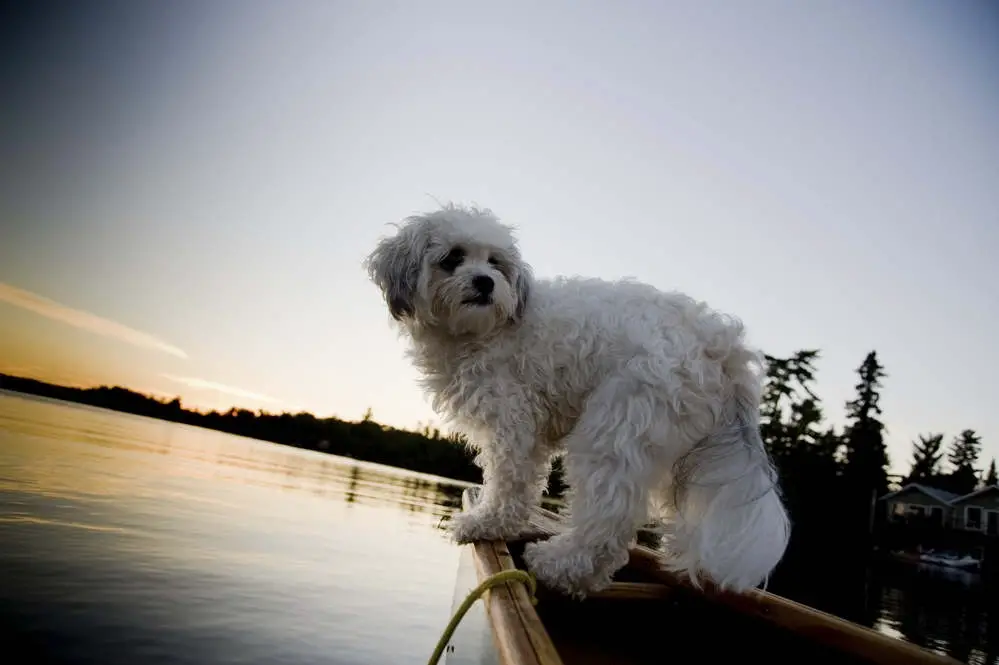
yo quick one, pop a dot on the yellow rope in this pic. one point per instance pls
(473, 595)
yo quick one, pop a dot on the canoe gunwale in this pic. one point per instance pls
(518, 634)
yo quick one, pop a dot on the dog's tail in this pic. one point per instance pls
(729, 524)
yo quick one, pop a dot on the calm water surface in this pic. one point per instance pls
(134, 541)
(129, 540)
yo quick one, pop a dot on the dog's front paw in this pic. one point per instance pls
(560, 565)
(480, 525)
(468, 527)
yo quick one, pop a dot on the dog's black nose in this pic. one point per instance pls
(483, 284)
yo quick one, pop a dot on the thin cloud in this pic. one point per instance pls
(203, 384)
(84, 320)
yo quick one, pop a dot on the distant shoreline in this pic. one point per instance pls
(428, 452)
(55, 401)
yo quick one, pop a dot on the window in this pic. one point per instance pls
(973, 517)
(937, 513)
(897, 510)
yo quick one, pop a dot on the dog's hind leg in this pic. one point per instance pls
(730, 524)
(610, 469)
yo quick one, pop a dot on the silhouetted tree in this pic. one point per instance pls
(866, 468)
(927, 453)
(804, 452)
(789, 409)
(990, 475)
(963, 456)
(556, 479)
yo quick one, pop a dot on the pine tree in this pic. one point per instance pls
(927, 453)
(965, 449)
(804, 452)
(990, 475)
(789, 410)
(963, 457)
(866, 454)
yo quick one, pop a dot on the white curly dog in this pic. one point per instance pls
(652, 397)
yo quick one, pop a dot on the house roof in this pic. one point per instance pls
(942, 496)
(972, 495)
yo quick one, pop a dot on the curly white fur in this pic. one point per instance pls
(652, 397)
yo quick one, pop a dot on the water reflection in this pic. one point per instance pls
(142, 541)
(948, 611)
(953, 612)
(116, 443)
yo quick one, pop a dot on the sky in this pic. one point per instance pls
(188, 189)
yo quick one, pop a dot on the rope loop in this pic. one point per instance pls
(486, 584)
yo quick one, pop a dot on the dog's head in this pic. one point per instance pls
(457, 270)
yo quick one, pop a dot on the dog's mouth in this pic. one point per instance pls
(479, 300)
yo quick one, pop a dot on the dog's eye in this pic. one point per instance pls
(452, 260)
(494, 261)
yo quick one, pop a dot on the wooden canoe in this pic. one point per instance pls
(651, 616)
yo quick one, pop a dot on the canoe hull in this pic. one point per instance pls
(650, 616)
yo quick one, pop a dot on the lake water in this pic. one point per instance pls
(135, 541)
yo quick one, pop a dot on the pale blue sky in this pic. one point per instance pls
(212, 174)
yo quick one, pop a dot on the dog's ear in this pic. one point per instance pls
(394, 266)
(523, 285)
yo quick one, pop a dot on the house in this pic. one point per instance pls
(920, 504)
(978, 511)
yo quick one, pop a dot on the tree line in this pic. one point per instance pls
(791, 426)
(961, 476)
(831, 478)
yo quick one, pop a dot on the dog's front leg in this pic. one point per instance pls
(515, 468)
